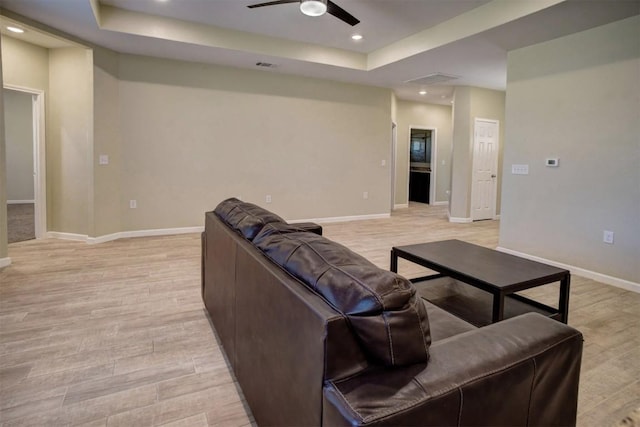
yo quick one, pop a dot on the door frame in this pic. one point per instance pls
(39, 159)
(494, 190)
(434, 160)
(392, 166)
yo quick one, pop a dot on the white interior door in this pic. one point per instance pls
(485, 169)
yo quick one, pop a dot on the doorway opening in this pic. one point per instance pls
(422, 145)
(25, 163)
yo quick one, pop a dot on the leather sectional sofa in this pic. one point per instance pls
(317, 335)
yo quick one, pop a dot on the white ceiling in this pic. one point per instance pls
(403, 39)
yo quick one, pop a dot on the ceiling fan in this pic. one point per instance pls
(315, 8)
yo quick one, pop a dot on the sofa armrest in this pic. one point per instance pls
(310, 226)
(522, 371)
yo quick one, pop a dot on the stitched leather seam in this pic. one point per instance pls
(424, 337)
(344, 399)
(410, 405)
(460, 406)
(533, 381)
(386, 324)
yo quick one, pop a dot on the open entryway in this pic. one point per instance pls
(422, 142)
(484, 184)
(24, 138)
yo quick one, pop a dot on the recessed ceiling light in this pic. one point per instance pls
(15, 30)
(423, 92)
(356, 37)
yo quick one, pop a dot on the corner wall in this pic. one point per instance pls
(576, 98)
(69, 141)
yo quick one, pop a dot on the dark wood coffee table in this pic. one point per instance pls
(497, 273)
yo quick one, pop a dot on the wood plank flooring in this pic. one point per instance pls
(115, 334)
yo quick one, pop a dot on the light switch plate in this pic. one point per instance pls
(520, 169)
(103, 159)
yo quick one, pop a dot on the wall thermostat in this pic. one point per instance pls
(553, 162)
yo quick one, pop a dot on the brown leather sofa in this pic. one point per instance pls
(317, 335)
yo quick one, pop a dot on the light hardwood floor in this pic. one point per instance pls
(115, 334)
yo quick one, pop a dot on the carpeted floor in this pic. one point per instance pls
(20, 222)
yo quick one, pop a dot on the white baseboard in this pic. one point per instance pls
(598, 277)
(187, 230)
(460, 220)
(143, 233)
(19, 202)
(444, 203)
(341, 218)
(401, 206)
(123, 234)
(5, 262)
(66, 236)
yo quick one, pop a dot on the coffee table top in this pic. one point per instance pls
(481, 265)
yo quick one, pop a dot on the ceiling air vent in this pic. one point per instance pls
(265, 65)
(433, 79)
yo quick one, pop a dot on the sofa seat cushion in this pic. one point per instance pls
(382, 307)
(246, 218)
(443, 324)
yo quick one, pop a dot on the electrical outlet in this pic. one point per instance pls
(383, 163)
(607, 237)
(268, 198)
(133, 204)
(365, 195)
(103, 159)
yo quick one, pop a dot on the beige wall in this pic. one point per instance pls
(471, 103)
(24, 64)
(4, 252)
(70, 141)
(428, 116)
(107, 178)
(194, 134)
(19, 145)
(576, 98)
(182, 136)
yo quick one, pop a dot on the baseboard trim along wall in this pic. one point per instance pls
(598, 277)
(66, 236)
(341, 218)
(5, 262)
(401, 206)
(187, 230)
(19, 202)
(460, 220)
(144, 233)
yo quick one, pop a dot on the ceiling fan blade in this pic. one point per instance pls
(272, 3)
(342, 14)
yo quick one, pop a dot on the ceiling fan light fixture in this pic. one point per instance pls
(313, 7)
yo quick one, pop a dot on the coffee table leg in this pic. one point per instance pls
(563, 304)
(498, 307)
(394, 261)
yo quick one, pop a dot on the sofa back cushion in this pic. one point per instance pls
(389, 320)
(247, 218)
